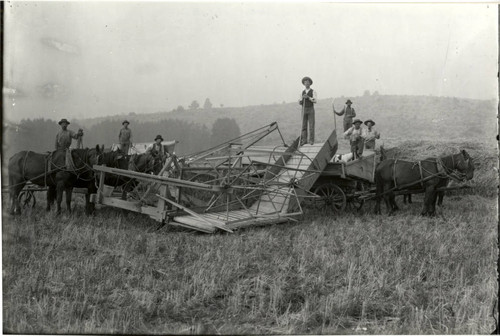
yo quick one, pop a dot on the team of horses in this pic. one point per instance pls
(53, 171)
(428, 174)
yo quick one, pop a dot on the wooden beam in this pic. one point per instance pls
(156, 178)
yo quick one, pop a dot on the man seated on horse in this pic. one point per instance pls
(64, 138)
(355, 135)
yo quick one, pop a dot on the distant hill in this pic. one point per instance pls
(397, 117)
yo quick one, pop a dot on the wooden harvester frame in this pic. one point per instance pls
(233, 185)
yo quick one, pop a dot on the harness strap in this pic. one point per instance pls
(394, 173)
(24, 165)
(421, 174)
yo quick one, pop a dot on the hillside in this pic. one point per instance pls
(397, 117)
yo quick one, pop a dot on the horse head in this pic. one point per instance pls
(114, 159)
(470, 164)
(462, 166)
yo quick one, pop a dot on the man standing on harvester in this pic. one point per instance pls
(307, 100)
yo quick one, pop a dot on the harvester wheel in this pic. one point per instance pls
(331, 197)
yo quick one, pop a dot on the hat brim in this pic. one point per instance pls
(357, 122)
(63, 122)
(369, 121)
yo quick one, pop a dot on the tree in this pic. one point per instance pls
(224, 129)
(376, 93)
(366, 93)
(207, 105)
(180, 108)
(194, 105)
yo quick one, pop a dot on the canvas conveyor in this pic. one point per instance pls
(287, 180)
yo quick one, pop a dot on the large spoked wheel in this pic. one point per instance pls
(27, 199)
(331, 197)
(200, 198)
(355, 203)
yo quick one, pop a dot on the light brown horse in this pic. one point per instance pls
(49, 170)
(428, 174)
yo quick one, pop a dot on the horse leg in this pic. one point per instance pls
(69, 194)
(51, 197)
(433, 200)
(379, 191)
(429, 194)
(89, 206)
(15, 190)
(60, 190)
(440, 195)
(392, 198)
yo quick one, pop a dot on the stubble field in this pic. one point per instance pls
(329, 273)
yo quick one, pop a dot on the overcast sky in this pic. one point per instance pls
(86, 59)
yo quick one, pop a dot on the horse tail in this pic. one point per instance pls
(383, 154)
(17, 180)
(379, 188)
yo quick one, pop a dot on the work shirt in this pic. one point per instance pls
(353, 134)
(155, 147)
(348, 111)
(313, 98)
(125, 135)
(370, 135)
(63, 139)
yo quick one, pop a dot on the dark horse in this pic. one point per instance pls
(428, 174)
(145, 163)
(50, 170)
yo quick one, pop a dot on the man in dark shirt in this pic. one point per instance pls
(348, 113)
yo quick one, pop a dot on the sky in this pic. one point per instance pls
(89, 59)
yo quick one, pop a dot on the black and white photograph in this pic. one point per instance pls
(253, 167)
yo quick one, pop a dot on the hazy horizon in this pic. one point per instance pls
(90, 59)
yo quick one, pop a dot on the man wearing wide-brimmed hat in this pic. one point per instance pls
(125, 137)
(65, 136)
(348, 113)
(355, 136)
(307, 100)
(157, 148)
(370, 134)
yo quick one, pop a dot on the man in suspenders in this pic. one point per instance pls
(307, 100)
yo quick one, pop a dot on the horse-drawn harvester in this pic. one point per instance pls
(242, 183)
(239, 183)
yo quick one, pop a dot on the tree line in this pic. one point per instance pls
(39, 134)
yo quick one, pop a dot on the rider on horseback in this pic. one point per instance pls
(64, 138)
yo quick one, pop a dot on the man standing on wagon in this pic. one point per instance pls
(348, 113)
(370, 134)
(125, 137)
(355, 136)
(307, 100)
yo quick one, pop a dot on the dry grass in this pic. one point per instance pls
(348, 273)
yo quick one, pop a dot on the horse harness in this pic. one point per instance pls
(442, 171)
